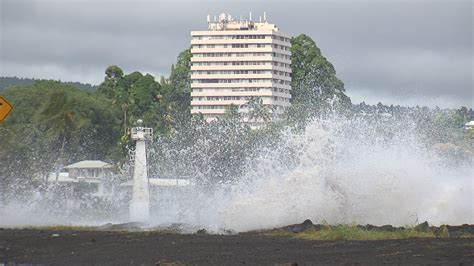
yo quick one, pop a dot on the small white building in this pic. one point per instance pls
(469, 125)
(92, 176)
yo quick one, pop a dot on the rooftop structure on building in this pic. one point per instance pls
(235, 61)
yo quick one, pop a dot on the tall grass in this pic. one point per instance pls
(352, 232)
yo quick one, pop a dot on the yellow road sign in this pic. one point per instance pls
(5, 108)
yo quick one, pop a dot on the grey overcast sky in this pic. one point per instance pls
(395, 51)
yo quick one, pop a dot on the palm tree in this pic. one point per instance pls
(258, 111)
(114, 88)
(232, 113)
(60, 116)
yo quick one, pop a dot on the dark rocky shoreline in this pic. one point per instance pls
(127, 244)
(465, 230)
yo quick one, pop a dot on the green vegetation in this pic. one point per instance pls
(316, 91)
(441, 129)
(258, 112)
(353, 232)
(52, 124)
(56, 123)
(6, 82)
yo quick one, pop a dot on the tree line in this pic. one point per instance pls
(6, 82)
(56, 123)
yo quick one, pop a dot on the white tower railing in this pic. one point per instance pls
(142, 133)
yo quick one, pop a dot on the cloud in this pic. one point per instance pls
(384, 50)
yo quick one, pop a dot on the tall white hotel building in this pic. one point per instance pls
(235, 60)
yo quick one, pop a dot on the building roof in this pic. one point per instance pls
(89, 165)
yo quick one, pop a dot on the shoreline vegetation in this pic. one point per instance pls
(347, 232)
(306, 231)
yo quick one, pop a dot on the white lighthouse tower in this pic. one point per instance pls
(140, 204)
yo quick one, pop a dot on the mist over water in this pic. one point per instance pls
(335, 170)
(345, 172)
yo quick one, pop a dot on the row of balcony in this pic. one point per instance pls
(241, 85)
(239, 76)
(236, 102)
(242, 67)
(222, 105)
(262, 93)
(246, 58)
(239, 50)
(240, 41)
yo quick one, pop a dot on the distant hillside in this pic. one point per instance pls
(6, 82)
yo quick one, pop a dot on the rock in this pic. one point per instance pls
(458, 231)
(202, 232)
(228, 231)
(442, 231)
(298, 228)
(387, 228)
(122, 227)
(368, 227)
(423, 227)
(105, 226)
(383, 228)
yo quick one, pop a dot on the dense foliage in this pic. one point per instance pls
(443, 128)
(316, 90)
(55, 123)
(6, 82)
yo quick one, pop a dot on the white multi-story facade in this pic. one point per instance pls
(236, 60)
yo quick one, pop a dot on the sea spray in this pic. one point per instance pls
(348, 171)
(337, 170)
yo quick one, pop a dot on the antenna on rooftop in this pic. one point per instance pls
(264, 16)
(208, 18)
(250, 18)
(260, 19)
